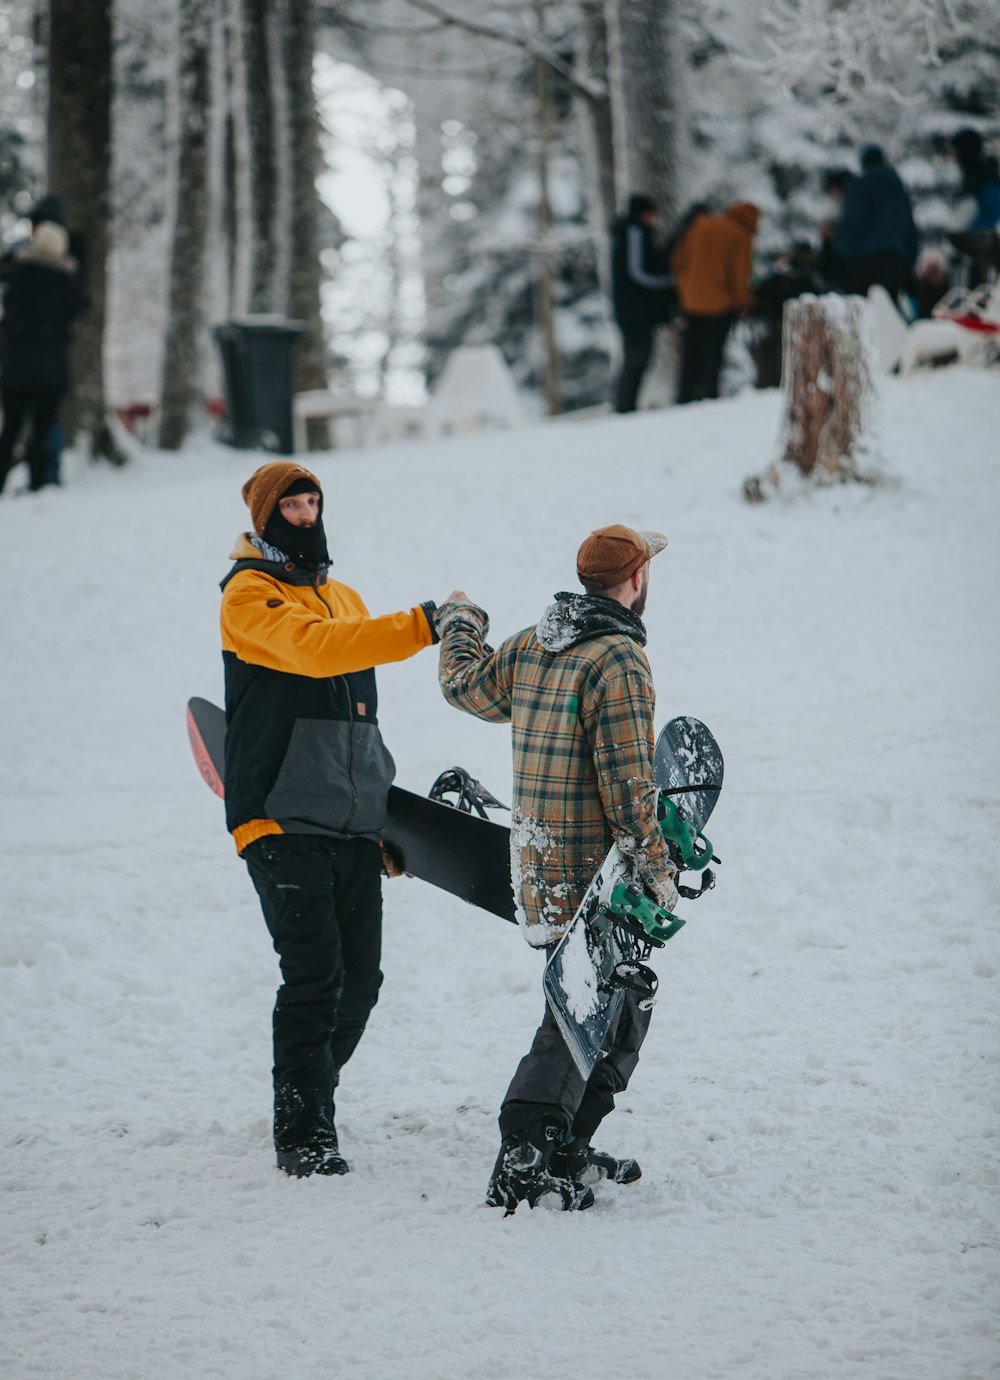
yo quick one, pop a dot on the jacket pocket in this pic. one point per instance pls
(373, 772)
(335, 778)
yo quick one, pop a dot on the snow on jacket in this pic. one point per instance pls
(877, 219)
(578, 693)
(304, 754)
(713, 262)
(43, 295)
(641, 283)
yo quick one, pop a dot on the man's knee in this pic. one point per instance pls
(359, 996)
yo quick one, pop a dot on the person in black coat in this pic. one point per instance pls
(979, 242)
(876, 238)
(43, 295)
(980, 178)
(643, 293)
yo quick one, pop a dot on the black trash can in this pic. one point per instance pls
(257, 368)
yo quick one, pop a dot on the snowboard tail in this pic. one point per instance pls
(206, 726)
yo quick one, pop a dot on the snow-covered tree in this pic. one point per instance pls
(305, 212)
(184, 348)
(646, 66)
(502, 261)
(79, 171)
(21, 96)
(594, 121)
(263, 75)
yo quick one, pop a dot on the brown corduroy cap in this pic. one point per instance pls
(611, 554)
(266, 485)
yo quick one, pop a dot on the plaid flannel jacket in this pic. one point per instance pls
(582, 721)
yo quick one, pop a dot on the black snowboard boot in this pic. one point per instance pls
(522, 1174)
(579, 1161)
(320, 1155)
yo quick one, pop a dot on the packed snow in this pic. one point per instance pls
(816, 1106)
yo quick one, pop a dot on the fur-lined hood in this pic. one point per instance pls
(575, 618)
(49, 246)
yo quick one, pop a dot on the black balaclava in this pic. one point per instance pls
(306, 546)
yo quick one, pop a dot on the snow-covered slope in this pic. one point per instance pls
(815, 1110)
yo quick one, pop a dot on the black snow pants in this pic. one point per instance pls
(322, 901)
(637, 345)
(547, 1080)
(889, 271)
(704, 348)
(18, 405)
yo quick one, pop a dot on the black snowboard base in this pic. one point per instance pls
(458, 852)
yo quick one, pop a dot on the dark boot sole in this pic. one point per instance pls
(298, 1166)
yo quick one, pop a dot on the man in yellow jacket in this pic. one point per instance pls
(712, 267)
(307, 781)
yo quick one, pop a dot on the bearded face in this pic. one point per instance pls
(639, 607)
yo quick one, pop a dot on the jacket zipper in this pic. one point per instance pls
(350, 718)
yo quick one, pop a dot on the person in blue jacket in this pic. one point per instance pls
(979, 241)
(876, 237)
(980, 178)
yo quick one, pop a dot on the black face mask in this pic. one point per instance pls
(306, 546)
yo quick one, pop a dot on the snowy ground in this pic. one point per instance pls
(816, 1109)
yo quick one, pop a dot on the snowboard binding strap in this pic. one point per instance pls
(657, 922)
(631, 976)
(690, 850)
(469, 793)
(707, 882)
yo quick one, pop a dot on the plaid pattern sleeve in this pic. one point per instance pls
(582, 742)
(620, 727)
(473, 677)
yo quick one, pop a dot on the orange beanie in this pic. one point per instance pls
(266, 485)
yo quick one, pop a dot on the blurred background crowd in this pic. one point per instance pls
(403, 179)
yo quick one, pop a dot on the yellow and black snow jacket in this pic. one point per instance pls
(303, 749)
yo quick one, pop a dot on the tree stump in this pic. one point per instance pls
(828, 373)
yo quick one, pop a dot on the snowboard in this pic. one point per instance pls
(458, 852)
(602, 954)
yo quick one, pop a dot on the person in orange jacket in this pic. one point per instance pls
(307, 781)
(712, 268)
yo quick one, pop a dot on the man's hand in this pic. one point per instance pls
(667, 895)
(393, 864)
(452, 611)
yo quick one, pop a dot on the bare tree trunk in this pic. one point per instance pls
(183, 371)
(236, 159)
(79, 171)
(829, 369)
(230, 200)
(281, 52)
(545, 283)
(306, 271)
(259, 69)
(395, 262)
(645, 51)
(597, 138)
(646, 69)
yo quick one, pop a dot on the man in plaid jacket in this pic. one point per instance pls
(578, 694)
